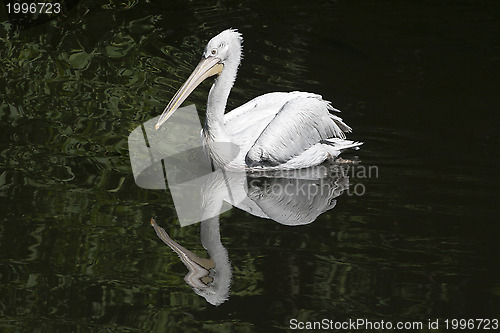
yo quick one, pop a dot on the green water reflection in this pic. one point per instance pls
(417, 81)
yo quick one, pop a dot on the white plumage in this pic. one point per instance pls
(275, 131)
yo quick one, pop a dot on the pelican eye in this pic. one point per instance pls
(214, 52)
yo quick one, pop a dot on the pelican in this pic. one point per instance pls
(275, 131)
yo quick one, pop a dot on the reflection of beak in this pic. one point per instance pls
(199, 268)
(206, 68)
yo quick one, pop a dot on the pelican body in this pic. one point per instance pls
(275, 131)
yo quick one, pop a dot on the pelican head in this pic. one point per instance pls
(225, 46)
(222, 55)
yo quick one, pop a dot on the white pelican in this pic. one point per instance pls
(275, 131)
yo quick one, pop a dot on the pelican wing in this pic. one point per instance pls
(300, 123)
(255, 115)
(261, 109)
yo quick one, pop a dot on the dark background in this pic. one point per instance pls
(418, 82)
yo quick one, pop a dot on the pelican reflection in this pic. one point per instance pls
(291, 198)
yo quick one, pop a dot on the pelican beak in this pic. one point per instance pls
(207, 67)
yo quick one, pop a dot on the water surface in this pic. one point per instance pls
(416, 80)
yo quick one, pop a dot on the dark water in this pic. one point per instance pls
(418, 82)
